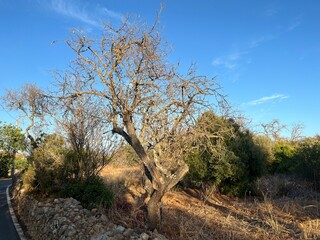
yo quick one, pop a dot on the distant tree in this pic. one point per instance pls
(11, 141)
(282, 148)
(273, 129)
(5, 161)
(142, 98)
(296, 132)
(31, 102)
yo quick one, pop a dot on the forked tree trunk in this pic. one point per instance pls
(154, 204)
(160, 182)
(154, 209)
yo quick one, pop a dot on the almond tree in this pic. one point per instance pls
(142, 97)
(83, 133)
(32, 104)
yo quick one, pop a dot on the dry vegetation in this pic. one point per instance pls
(287, 211)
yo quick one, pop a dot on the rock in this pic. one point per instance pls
(118, 237)
(119, 229)
(66, 219)
(103, 237)
(109, 233)
(71, 232)
(128, 232)
(144, 236)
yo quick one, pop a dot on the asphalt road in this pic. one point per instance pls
(7, 229)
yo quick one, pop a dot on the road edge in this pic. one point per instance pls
(13, 216)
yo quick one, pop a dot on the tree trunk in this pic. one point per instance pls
(160, 182)
(154, 207)
(154, 204)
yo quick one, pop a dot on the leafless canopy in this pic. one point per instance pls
(92, 146)
(32, 104)
(273, 129)
(142, 97)
(29, 100)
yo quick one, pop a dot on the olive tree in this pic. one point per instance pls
(143, 98)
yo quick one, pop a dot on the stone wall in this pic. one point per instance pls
(67, 219)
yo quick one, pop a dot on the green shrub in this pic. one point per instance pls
(5, 162)
(232, 162)
(21, 163)
(307, 159)
(47, 182)
(91, 193)
(266, 148)
(28, 179)
(46, 162)
(284, 152)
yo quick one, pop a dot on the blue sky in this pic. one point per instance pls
(265, 54)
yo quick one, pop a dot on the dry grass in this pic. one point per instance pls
(194, 214)
(310, 229)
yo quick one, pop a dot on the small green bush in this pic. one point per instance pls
(28, 178)
(307, 160)
(21, 163)
(5, 162)
(91, 193)
(46, 181)
(283, 157)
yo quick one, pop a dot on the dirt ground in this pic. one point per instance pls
(195, 214)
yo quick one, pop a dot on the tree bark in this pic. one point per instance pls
(160, 181)
(154, 207)
(154, 204)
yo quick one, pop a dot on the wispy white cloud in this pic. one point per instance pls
(258, 41)
(70, 9)
(273, 98)
(230, 61)
(82, 13)
(113, 14)
(295, 24)
(236, 58)
(271, 11)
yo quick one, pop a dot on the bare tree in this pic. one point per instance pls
(296, 132)
(31, 102)
(273, 129)
(144, 99)
(91, 144)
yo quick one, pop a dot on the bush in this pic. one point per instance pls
(282, 185)
(283, 157)
(46, 161)
(20, 163)
(91, 193)
(28, 179)
(307, 159)
(232, 163)
(5, 161)
(266, 146)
